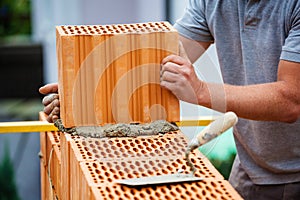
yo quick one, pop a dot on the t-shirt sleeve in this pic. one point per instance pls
(291, 47)
(193, 24)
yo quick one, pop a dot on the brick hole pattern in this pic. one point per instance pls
(108, 171)
(55, 135)
(52, 140)
(95, 151)
(120, 148)
(122, 158)
(94, 179)
(208, 190)
(101, 154)
(116, 29)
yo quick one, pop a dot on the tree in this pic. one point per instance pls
(8, 189)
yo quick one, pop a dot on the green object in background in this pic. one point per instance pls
(221, 152)
(15, 20)
(8, 189)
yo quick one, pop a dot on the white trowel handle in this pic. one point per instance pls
(214, 129)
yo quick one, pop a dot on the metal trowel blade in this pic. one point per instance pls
(162, 179)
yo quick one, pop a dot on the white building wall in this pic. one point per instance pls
(48, 14)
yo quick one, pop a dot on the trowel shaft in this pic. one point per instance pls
(211, 131)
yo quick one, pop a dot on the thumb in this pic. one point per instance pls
(182, 51)
(49, 88)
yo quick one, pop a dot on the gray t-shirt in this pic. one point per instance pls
(251, 37)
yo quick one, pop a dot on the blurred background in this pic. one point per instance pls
(28, 61)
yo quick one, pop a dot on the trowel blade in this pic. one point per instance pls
(162, 179)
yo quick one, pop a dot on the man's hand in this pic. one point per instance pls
(51, 101)
(178, 75)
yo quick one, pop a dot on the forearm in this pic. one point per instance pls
(276, 101)
(192, 49)
(267, 102)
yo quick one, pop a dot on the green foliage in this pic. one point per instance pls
(221, 152)
(224, 165)
(8, 189)
(15, 17)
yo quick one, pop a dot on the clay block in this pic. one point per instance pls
(43, 141)
(111, 73)
(51, 141)
(43, 179)
(101, 161)
(207, 189)
(97, 161)
(47, 188)
(43, 147)
(168, 150)
(55, 170)
(85, 168)
(47, 141)
(65, 166)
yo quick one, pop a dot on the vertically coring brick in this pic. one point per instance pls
(111, 73)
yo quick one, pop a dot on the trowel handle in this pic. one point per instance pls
(214, 129)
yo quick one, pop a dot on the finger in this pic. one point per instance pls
(170, 67)
(52, 118)
(174, 59)
(56, 111)
(182, 51)
(169, 77)
(50, 107)
(49, 99)
(49, 88)
(168, 85)
(55, 114)
(49, 118)
(185, 70)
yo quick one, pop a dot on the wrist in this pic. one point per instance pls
(203, 95)
(213, 95)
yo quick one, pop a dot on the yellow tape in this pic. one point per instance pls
(41, 126)
(26, 126)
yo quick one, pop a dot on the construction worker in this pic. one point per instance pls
(257, 43)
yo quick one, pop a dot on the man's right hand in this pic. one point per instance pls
(51, 101)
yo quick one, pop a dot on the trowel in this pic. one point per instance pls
(214, 129)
